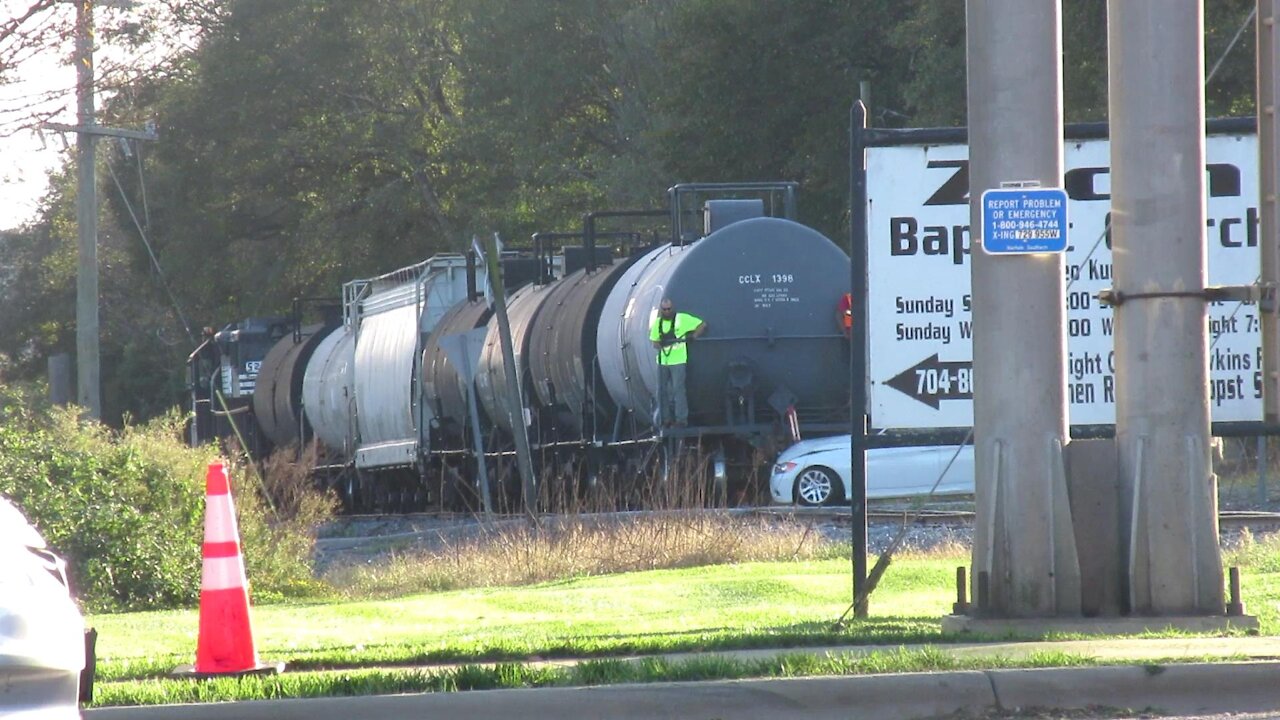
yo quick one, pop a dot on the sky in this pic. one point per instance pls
(45, 82)
(24, 165)
(26, 158)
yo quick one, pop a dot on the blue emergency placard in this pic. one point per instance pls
(1024, 220)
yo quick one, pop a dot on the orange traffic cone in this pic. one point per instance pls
(225, 643)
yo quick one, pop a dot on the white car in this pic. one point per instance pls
(42, 634)
(816, 472)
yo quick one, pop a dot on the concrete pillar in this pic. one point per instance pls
(1023, 536)
(1268, 84)
(1168, 493)
(1093, 467)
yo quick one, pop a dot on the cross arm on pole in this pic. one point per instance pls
(95, 129)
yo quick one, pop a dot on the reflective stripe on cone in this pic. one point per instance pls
(225, 643)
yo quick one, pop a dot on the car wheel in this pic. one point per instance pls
(816, 486)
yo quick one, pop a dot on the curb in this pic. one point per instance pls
(1194, 688)
(1183, 689)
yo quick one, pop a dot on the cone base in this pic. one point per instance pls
(262, 668)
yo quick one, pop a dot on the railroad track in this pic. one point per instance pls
(372, 525)
(1228, 520)
(370, 535)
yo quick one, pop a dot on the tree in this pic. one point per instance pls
(761, 91)
(933, 36)
(370, 137)
(303, 133)
(304, 143)
(142, 346)
(932, 39)
(557, 108)
(1230, 92)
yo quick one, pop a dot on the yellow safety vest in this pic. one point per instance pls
(674, 353)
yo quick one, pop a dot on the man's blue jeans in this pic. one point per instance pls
(671, 392)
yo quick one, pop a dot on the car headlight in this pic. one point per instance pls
(783, 467)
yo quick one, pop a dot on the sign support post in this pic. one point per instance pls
(858, 283)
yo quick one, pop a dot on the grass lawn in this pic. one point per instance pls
(724, 606)
(379, 646)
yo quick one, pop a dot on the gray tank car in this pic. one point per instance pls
(383, 395)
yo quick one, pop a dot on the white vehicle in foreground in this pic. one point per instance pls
(42, 634)
(816, 472)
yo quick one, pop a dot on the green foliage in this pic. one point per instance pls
(1230, 92)
(933, 39)
(310, 142)
(303, 132)
(142, 343)
(38, 287)
(761, 91)
(278, 514)
(1084, 60)
(127, 520)
(127, 508)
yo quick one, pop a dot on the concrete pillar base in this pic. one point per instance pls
(1039, 627)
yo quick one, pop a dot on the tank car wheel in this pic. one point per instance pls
(593, 489)
(347, 489)
(377, 497)
(817, 486)
(632, 480)
(420, 497)
(362, 493)
(454, 493)
(666, 472)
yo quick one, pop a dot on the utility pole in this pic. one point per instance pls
(88, 384)
(87, 372)
(1024, 550)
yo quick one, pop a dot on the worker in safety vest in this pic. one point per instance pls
(844, 315)
(670, 333)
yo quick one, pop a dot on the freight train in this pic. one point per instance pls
(406, 388)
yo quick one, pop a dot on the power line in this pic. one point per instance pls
(164, 282)
(1214, 71)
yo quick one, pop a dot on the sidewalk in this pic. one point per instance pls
(1118, 649)
(1245, 679)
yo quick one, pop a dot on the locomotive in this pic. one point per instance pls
(406, 388)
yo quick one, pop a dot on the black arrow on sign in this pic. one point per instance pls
(931, 381)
